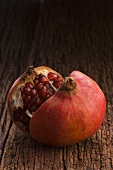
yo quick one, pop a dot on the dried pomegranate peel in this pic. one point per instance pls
(53, 110)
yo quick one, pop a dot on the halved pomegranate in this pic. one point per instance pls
(53, 110)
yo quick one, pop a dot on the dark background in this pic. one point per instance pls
(64, 35)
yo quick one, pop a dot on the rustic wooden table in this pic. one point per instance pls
(64, 35)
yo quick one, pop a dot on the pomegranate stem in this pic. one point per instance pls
(69, 85)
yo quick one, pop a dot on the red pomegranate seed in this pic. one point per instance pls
(28, 84)
(50, 92)
(47, 85)
(25, 106)
(26, 99)
(34, 96)
(33, 108)
(38, 102)
(22, 89)
(33, 101)
(43, 80)
(40, 75)
(23, 96)
(48, 96)
(39, 86)
(17, 112)
(57, 84)
(43, 94)
(58, 79)
(37, 77)
(28, 106)
(27, 91)
(52, 76)
(44, 88)
(35, 81)
(33, 93)
(21, 116)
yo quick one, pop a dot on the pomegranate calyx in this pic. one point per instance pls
(30, 69)
(69, 85)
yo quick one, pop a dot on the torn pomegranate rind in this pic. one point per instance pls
(29, 92)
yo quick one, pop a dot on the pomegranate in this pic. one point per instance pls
(53, 110)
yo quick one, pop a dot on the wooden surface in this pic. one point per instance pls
(64, 35)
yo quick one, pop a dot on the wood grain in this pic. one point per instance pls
(63, 35)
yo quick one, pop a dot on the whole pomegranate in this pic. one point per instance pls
(53, 110)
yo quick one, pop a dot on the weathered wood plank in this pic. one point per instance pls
(65, 36)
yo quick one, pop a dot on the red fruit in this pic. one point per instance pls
(43, 80)
(30, 85)
(57, 84)
(52, 76)
(33, 93)
(39, 86)
(57, 117)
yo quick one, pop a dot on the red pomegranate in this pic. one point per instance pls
(56, 111)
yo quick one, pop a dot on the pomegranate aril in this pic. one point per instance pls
(47, 85)
(48, 96)
(44, 88)
(26, 99)
(21, 116)
(35, 81)
(43, 80)
(33, 108)
(28, 84)
(33, 101)
(38, 102)
(27, 91)
(34, 96)
(17, 112)
(50, 92)
(57, 84)
(25, 106)
(52, 76)
(58, 79)
(40, 75)
(23, 96)
(43, 94)
(39, 86)
(22, 89)
(37, 77)
(33, 93)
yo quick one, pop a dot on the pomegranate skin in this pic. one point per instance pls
(65, 119)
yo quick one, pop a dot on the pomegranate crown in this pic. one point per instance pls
(69, 85)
